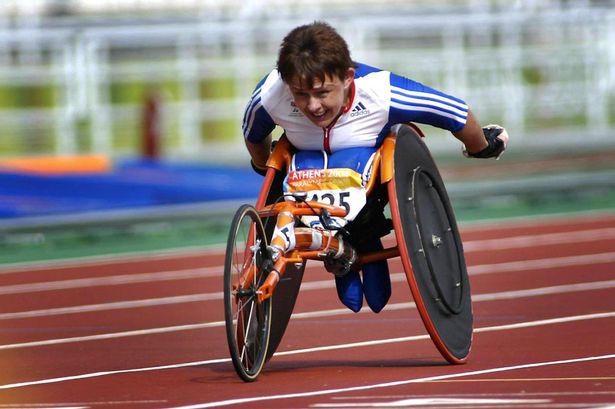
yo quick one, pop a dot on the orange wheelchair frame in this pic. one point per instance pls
(256, 261)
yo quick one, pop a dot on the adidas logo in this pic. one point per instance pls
(294, 110)
(359, 110)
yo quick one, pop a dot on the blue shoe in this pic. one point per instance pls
(350, 290)
(376, 280)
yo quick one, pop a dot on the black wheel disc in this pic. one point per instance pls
(438, 276)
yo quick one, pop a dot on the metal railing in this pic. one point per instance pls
(548, 72)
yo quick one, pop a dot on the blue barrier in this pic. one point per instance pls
(130, 184)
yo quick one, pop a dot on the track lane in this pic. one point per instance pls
(296, 371)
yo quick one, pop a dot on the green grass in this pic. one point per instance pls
(30, 245)
(96, 239)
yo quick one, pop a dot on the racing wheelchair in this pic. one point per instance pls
(269, 244)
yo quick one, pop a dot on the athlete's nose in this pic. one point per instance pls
(314, 105)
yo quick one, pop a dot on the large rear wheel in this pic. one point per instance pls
(430, 247)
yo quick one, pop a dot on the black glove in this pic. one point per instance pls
(496, 146)
(261, 171)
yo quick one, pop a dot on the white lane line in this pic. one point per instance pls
(544, 263)
(303, 394)
(217, 271)
(477, 245)
(506, 295)
(546, 239)
(548, 321)
(111, 259)
(521, 241)
(124, 279)
(112, 280)
(43, 406)
(466, 403)
(504, 327)
(120, 305)
(116, 372)
(66, 405)
(113, 335)
(563, 220)
(528, 324)
(551, 290)
(395, 383)
(396, 277)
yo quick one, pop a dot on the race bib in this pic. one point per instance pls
(341, 187)
(337, 179)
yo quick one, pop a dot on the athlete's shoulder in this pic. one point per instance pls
(364, 70)
(259, 114)
(271, 93)
(270, 83)
(371, 78)
(373, 84)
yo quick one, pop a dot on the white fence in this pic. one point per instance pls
(547, 75)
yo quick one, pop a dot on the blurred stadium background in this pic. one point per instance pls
(91, 79)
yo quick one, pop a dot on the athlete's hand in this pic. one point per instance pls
(497, 139)
(261, 170)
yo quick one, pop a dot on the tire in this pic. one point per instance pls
(248, 323)
(430, 247)
(287, 290)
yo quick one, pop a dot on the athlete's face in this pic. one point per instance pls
(322, 102)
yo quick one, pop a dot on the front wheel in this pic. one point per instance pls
(248, 323)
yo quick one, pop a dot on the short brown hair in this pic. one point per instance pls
(312, 51)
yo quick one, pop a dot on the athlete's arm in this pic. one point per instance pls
(471, 135)
(259, 153)
(414, 102)
(257, 128)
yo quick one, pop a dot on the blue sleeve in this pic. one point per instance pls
(414, 102)
(363, 69)
(257, 123)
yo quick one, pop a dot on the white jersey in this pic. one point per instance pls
(379, 100)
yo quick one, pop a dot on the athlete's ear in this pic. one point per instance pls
(349, 77)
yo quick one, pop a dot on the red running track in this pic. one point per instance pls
(147, 331)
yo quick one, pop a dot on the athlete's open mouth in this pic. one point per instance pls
(319, 118)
